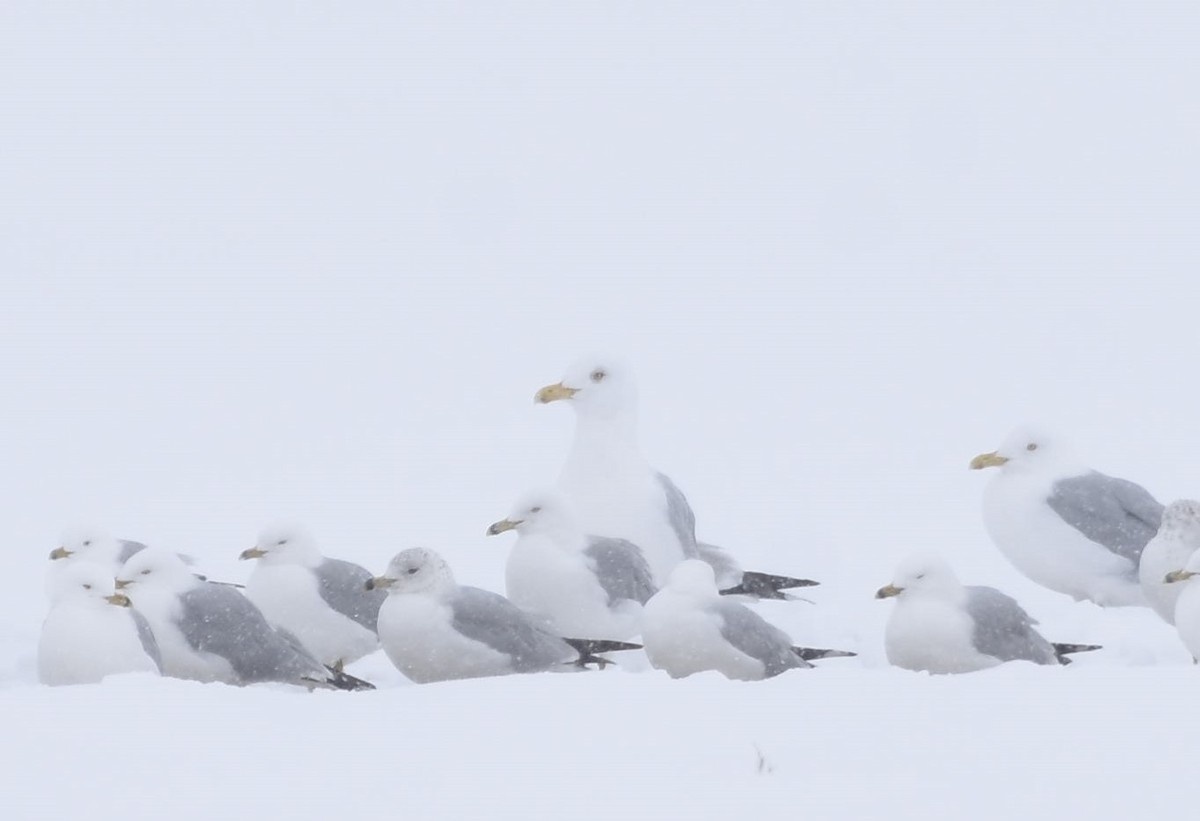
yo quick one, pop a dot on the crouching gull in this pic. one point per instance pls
(1177, 540)
(941, 626)
(688, 628)
(85, 637)
(1187, 603)
(1065, 526)
(579, 585)
(618, 494)
(433, 629)
(322, 602)
(211, 632)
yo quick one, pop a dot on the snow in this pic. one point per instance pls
(310, 263)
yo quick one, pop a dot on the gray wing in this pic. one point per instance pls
(128, 548)
(727, 571)
(683, 520)
(757, 638)
(146, 636)
(621, 569)
(1004, 630)
(495, 621)
(343, 586)
(217, 619)
(1116, 513)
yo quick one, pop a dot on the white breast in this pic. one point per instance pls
(416, 635)
(932, 636)
(81, 645)
(1161, 556)
(1048, 550)
(289, 597)
(1187, 616)
(682, 639)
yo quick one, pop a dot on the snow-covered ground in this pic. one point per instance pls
(274, 261)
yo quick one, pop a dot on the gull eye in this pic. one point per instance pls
(146, 572)
(281, 543)
(412, 570)
(920, 575)
(87, 543)
(1031, 446)
(536, 509)
(598, 375)
(87, 587)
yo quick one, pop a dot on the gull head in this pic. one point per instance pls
(1181, 518)
(155, 568)
(86, 583)
(693, 577)
(1024, 448)
(925, 574)
(599, 386)
(85, 543)
(284, 544)
(416, 570)
(540, 512)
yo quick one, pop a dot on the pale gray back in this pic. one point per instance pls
(1116, 513)
(146, 637)
(128, 548)
(218, 619)
(757, 638)
(1004, 630)
(679, 512)
(490, 618)
(343, 586)
(621, 569)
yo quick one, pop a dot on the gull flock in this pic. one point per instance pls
(605, 564)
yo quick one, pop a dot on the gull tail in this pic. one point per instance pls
(589, 650)
(814, 653)
(1061, 650)
(766, 586)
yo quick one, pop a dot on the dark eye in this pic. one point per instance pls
(920, 575)
(535, 510)
(1031, 446)
(146, 572)
(598, 375)
(412, 570)
(87, 543)
(281, 543)
(87, 587)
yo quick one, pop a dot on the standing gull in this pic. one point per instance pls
(211, 632)
(689, 628)
(432, 629)
(1177, 540)
(580, 585)
(91, 632)
(940, 626)
(617, 493)
(322, 602)
(1065, 526)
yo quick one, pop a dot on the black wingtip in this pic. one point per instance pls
(344, 681)
(815, 653)
(766, 586)
(589, 650)
(1061, 650)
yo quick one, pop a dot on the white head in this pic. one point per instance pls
(285, 544)
(155, 569)
(693, 578)
(1181, 518)
(83, 582)
(598, 387)
(89, 543)
(415, 570)
(1027, 448)
(540, 513)
(923, 574)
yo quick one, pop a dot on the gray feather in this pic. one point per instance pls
(128, 548)
(679, 512)
(621, 569)
(219, 620)
(146, 636)
(727, 571)
(1004, 630)
(757, 638)
(1115, 513)
(343, 586)
(495, 621)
